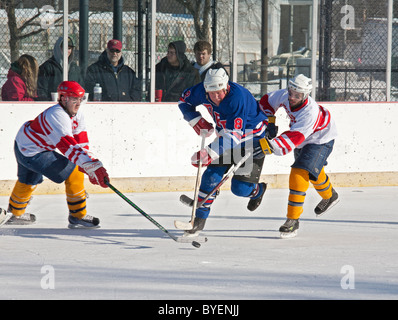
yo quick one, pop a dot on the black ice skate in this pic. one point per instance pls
(87, 222)
(327, 204)
(198, 225)
(25, 219)
(289, 228)
(254, 203)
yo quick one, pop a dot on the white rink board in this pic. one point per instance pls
(153, 140)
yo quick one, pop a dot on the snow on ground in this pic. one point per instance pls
(349, 253)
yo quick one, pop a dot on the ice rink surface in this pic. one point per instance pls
(349, 253)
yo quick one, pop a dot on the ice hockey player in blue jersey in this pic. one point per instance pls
(239, 125)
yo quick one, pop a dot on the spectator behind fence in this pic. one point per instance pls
(51, 71)
(174, 73)
(204, 61)
(21, 84)
(117, 80)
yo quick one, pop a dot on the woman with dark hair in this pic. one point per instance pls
(21, 84)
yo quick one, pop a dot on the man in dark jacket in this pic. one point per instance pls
(51, 71)
(117, 80)
(174, 73)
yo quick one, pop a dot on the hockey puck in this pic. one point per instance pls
(196, 244)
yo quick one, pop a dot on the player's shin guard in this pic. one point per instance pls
(204, 211)
(323, 185)
(20, 198)
(298, 185)
(76, 194)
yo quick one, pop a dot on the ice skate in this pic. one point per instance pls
(4, 216)
(254, 203)
(25, 219)
(87, 222)
(198, 226)
(326, 204)
(289, 228)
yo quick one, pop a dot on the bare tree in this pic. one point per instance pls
(200, 11)
(19, 32)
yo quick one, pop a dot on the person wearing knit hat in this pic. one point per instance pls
(51, 71)
(174, 73)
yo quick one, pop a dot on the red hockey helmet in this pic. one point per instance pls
(70, 89)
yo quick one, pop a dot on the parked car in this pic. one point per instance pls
(277, 65)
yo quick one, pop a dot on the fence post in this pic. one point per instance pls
(140, 41)
(118, 20)
(83, 36)
(235, 41)
(389, 49)
(264, 46)
(314, 46)
(153, 49)
(65, 41)
(214, 30)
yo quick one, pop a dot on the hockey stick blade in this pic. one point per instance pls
(200, 239)
(186, 200)
(181, 225)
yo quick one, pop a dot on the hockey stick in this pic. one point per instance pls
(189, 202)
(189, 225)
(175, 238)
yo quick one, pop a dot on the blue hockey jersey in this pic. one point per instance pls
(238, 118)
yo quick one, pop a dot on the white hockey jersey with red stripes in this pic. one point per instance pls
(55, 129)
(309, 123)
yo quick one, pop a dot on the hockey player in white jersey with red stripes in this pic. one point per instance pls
(311, 136)
(59, 127)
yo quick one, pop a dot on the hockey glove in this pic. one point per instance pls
(272, 129)
(201, 126)
(96, 173)
(202, 155)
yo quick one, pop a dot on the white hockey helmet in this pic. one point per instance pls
(301, 84)
(216, 79)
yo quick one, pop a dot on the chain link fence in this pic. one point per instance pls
(352, 40)
(288, 47)
(33, 27)
(353, 51)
